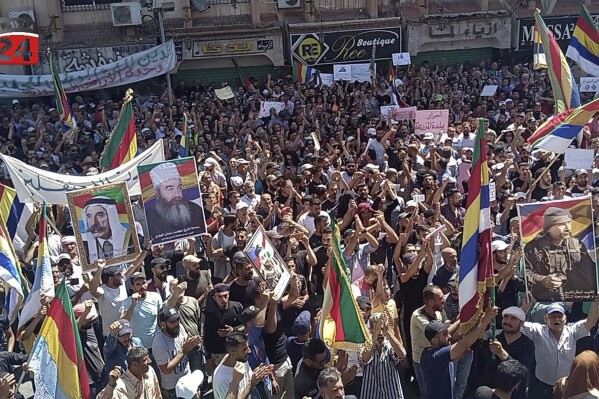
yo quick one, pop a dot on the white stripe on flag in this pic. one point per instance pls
(553, 143)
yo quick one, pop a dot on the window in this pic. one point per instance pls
(86, 5)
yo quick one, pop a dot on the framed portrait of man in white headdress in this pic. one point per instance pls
(103, 224)
(172, 200)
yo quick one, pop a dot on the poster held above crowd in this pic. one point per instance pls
(104, 226)
(559, 249)
(268, 262)
(172, 200)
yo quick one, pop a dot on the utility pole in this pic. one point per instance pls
(159, 12)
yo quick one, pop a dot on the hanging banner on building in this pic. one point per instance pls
(561, 27)
(134, 68)
(345, 47)
(34, 184)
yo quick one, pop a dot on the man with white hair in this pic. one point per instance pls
(105, 237)
(171, 212)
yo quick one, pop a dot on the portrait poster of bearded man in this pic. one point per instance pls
(104, 227)
(172, 200)
(559, 249)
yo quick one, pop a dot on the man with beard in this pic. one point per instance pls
(582, 183)
(111, 295)
(118, 343)
(508, 344)
(160, 280)
(307, 219)
(222, 315)
(542, 188)
(198, 279)
(234, 376)
(142, 310)
(438, 359)
(171, 211)
(170, 348)
(314, 360)
(510, 285)
(453, 211)
(555, 346)
(105, 237)
(244, 272)
(558, 266)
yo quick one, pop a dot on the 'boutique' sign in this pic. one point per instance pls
(345, 47)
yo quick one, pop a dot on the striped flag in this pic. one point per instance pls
(558, 69)
(44, 282)
(10, 272)
(584, 44)
(476, 270)
(57, 356)
(121, 146)
(557, 133)
(185, 139)
(343, 326)
(302, 73)
(244, 79)
(11, 209)
(62, 103)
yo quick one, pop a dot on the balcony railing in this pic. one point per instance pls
(86, 5)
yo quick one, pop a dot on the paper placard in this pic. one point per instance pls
(434, 121)
(401, 59)
(265, 107)
(492, 195)
(224, 93)
(419, 197)
(577, 158)
(404, 113)
(352, 72)
(589, 84)
(489, 91)
(314, 137)
(389, 110)
(342, 72)
(438, 230)
(327, 79)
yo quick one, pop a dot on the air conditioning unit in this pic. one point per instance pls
(289, 3)
(125, 14)
(22, 19)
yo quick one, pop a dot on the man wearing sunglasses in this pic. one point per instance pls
(314, 360)
(160, 278)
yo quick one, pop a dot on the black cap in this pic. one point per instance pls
(433, 328)
(169, 315)
(220, 287)
(240, 258)
(111, 271)
(248, 314)
(160, 261)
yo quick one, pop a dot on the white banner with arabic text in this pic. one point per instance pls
(140, 66)
(34, 184)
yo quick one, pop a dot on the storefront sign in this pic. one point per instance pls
(344, 47)
(233, 47)
(561, 27)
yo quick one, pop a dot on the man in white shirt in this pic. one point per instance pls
(307, 219)
(250, 198)
(110, 295)
(233, 377)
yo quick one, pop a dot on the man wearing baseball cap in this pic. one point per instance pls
(555, 346)
(509, 343)
(437, 360)
(558, 265)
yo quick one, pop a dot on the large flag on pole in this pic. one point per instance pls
(121, 147)
(10, 272)
(476, 270)
(44, 282)
(372, 63)
(341, 323)
(557, 133)
(302, 73)
(11, 209)
(244, 79)
(584, 44)
(558, 69)
(57, 355)
(62, 103)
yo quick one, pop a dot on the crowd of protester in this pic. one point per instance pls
(193, 317)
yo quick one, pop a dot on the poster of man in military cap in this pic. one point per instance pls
(172, 200)
(104, 227)
(559, 249)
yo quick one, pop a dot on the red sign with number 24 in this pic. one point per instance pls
(18, 48)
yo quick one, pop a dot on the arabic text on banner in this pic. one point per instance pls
(140, 66)
(434, 121)
(224, 93)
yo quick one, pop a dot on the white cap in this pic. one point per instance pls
(306, 167)
(187, 386)
(520, 195)
(15, 102)
(241, 205)
(145, 129)
(514, 311)
(236, 181)
(209, 162)
(428, 136)
(371, 132)
(163, 172)
(498, 245)
(411, 204)
(371, 167)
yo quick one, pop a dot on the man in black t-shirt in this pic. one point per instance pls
(244, 271)
(510, 374)
(582, 182)
(522, 181)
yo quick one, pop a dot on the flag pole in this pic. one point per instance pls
(547, 168)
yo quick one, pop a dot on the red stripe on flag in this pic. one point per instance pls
(589, 30)
(123, 149)
(335, 314)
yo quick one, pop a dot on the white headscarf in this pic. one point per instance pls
(119, 238)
